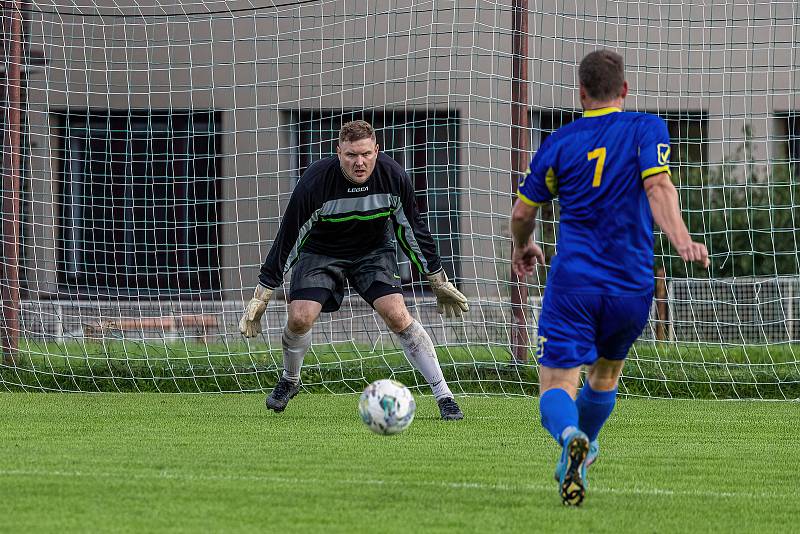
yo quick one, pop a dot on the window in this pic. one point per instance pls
(793, 141)
(545, 122)
(424, 142)
(688, 133)
(138, 203)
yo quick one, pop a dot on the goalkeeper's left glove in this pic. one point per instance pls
(250, 323)
(449, 300)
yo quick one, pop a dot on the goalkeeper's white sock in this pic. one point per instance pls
(419, 350)
(295, 347)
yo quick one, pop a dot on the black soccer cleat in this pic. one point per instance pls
(284, 391)
(449, 409)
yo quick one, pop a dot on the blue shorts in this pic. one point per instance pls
(575, 329)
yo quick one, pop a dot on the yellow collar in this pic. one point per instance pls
(600, 111)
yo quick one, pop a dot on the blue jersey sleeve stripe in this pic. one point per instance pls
(551, 181)
(655, 170)
(528, 201)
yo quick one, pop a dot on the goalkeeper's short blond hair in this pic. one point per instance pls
(356, 131)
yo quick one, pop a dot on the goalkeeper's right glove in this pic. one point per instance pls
(449, 300)
(250, 323)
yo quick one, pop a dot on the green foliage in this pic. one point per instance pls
(747, 215)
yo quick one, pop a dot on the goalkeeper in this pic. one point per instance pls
(336, 227)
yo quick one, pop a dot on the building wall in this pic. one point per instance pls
(735, 63)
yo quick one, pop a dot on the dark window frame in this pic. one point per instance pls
(187, 261)
(792, 123)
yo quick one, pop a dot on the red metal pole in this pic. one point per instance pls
(662, 310)
(12, 18)
(520, 152)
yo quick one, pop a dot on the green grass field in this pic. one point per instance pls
(200, 463)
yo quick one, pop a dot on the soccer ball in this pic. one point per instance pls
(387, 407)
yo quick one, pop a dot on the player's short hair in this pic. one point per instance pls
(602, 74)
(356, 131)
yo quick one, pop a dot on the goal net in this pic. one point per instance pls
(150, 148)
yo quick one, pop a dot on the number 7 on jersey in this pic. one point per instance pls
(600, 155)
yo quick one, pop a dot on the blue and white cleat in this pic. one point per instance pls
(594, 452)
(571, 468)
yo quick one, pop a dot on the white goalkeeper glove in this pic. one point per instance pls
(449, 300)
(250, 323)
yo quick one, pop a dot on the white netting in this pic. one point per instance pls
(160, 141)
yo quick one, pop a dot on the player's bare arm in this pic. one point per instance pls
(663, 200)
(526, 254)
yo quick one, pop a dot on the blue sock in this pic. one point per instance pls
(594, 407)
(558, 412)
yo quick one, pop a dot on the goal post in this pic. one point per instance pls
(160, 141)
(520, 155)
(12, 152)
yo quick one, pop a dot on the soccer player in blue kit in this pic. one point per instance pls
(610, 171)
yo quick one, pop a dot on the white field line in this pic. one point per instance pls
(480, 486)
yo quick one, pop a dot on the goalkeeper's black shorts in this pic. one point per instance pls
(322, 278)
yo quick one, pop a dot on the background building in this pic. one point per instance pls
(164, 139)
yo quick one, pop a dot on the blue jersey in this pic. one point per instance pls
(596, 166)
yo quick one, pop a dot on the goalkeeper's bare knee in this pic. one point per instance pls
(302, 315)
(392, 309)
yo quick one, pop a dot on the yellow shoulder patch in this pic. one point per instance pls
(663, 153)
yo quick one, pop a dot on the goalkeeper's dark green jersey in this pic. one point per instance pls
(330, 215)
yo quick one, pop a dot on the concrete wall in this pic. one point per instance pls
(737, 63)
